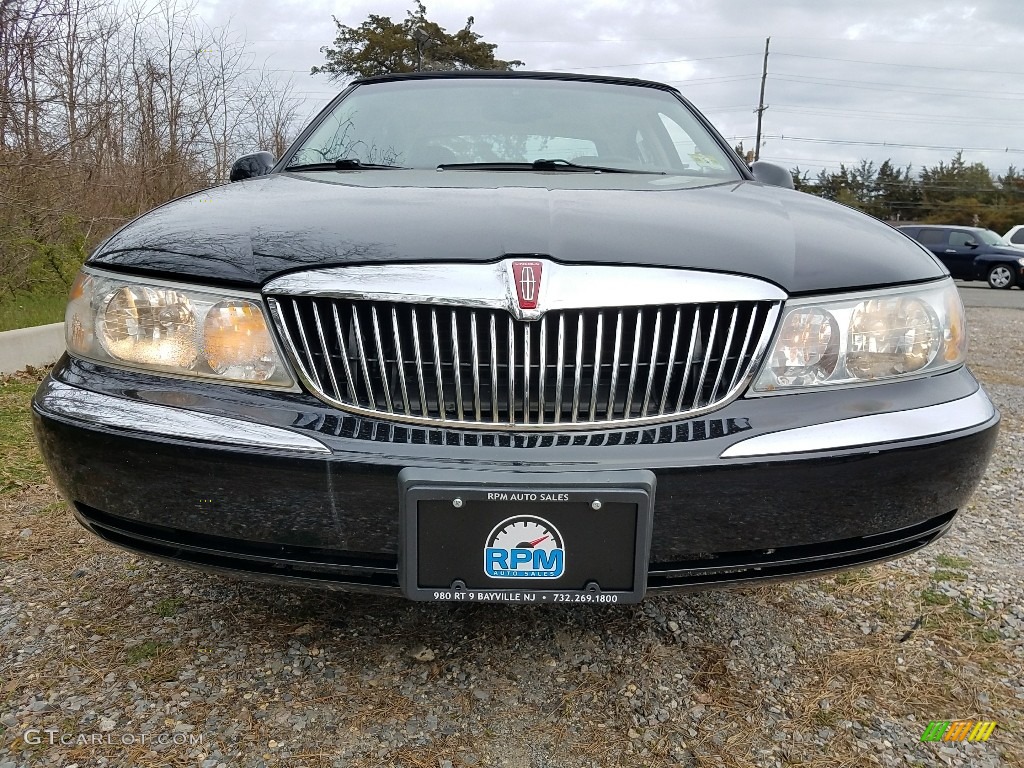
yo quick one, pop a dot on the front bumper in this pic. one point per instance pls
(280, 486)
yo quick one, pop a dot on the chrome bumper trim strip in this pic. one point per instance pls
(956, 415)
(105, 410)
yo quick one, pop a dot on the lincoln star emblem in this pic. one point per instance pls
(527, 275)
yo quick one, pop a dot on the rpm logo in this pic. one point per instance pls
(524, 547)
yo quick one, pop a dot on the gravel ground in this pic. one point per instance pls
(130, 662)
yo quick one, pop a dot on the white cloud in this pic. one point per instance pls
(907, 73)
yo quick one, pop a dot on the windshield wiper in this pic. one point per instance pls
(541, 165)
(344, 164)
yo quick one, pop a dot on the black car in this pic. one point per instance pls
(972, 253)
(513, 336)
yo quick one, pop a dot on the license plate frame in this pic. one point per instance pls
(444, 544)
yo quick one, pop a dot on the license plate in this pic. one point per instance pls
(567, 537)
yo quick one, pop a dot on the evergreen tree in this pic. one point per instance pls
(381, 46)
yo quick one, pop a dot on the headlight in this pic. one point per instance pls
(857, 339)
(170, 328)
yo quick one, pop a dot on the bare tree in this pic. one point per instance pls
(109, 108)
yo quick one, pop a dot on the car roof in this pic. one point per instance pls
(943, 226)
(498, 74)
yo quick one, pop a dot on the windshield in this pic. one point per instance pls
(427, 123)
(989, 237)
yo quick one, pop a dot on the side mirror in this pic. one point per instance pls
(972, 244)
(770, 173)
(250, 166)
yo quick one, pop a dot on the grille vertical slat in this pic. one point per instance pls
(578, 375)
(596, 370)
(381, 362)
(738, 370)
(367, 384)
(616, 356)
(435, 341)
(694, 337)
(495, 416)
(559, 368)
(511, 365)
(476, 366)
(670, 368)
(543, 369)
(708, 351)
(723, 361)
(475, 351)
(457, 368)
(396, 337)
(527, 333)
(343, 349)
(323, 346)
(419, 365)
(637, 336)
(653, 364)
(311, 362)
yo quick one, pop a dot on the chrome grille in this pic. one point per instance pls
(482, 368)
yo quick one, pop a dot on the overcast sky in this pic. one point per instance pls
(910, 80)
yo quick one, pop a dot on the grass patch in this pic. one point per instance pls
(944, 575)
(167, 607)
(931, 597)
(825, 718)
(31, 308)
(144, 651)
(856, 581)
(950, 561)
(154, 661)
(989, 635)
(22, 465)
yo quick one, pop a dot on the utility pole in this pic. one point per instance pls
(760, 103)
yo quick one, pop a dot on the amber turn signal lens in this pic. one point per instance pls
(955, 342)
(237, 342)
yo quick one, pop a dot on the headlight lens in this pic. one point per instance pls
(807, 348)
(151, 326)
(864, 338)
(171, 328)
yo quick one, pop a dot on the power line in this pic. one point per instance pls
(715, 80)
(923, 90)
(901, 145)
(895, 64)
(731, 108)
(908, 117)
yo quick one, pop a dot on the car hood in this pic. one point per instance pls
(243, 234)
(1007, 250)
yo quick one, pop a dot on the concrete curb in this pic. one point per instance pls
(37, 347)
